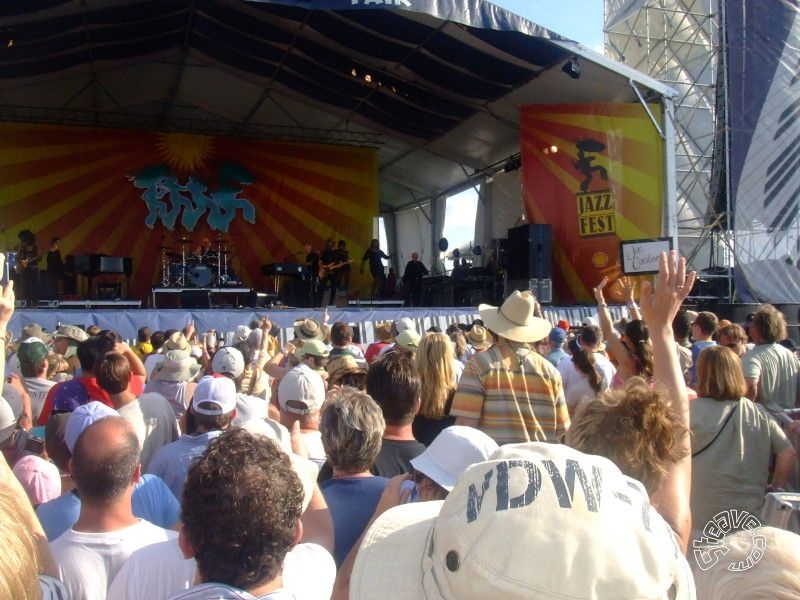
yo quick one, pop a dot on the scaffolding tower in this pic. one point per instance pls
(678, 42)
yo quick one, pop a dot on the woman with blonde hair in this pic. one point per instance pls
(733, 439)
(435, 363)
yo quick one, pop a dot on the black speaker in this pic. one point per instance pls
(530, 252)
(195, 298)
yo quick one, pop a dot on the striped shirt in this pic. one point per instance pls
(515, 394)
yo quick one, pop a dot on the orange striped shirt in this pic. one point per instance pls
(515, 393)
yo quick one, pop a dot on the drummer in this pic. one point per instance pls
(206, 253)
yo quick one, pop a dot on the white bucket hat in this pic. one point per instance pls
(538, 521)
(451, 452)
(177, 365)
(514, 320)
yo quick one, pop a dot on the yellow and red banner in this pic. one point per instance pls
(129, 193)
(595, 173)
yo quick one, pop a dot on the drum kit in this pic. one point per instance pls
(207, 266)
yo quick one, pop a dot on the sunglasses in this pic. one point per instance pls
(417, 477)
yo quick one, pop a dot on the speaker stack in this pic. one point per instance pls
(530, 260)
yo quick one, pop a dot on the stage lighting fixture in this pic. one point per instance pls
(572, 68)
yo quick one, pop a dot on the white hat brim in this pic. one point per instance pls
(390, 559)
(493, 319)
(431, 470)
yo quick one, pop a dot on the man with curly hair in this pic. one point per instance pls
(771, 370)
(241, 510)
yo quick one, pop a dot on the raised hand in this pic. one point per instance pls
(628, 286)
(598, 291)
(661, 303)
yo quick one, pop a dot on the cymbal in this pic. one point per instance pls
(184, 240)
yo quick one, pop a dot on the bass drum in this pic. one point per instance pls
(200, 276)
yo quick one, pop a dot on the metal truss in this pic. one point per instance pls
(678, 42)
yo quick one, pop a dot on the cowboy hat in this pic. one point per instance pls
(479, 338)
(514, 320)
(308, 329)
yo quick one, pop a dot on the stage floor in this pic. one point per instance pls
(127, 321)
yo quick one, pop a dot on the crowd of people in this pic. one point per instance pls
(506, 458)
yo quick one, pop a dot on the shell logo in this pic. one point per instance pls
(600, 259)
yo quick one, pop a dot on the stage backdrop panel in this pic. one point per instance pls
(595, 172)
(128, 193)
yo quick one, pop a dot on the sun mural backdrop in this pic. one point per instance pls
(595, 172)
(128, 193)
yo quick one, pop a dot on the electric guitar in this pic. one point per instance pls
(22, 263)
(325, 270)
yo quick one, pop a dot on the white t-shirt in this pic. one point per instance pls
(153, 421)
(88, 562)
(160, 571)
(571, 377)
(316, 453)
(37, 388)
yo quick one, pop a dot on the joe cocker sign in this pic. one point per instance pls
(641, 256)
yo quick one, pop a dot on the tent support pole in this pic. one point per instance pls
(646, 108)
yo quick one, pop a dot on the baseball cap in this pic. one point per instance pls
(301, 391)
(587, 530)
(563, 324)
(312, 347)
(82, 417)
(558, 335)
(228, 360)
(32, 350)
(587, 321)
(240, 334)
(451, 452)
(69, 395)
(214, 396)
(39, 478)
(72, 332)
(408, 339)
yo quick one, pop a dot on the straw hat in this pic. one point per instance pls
(479, 338)
(514, 320)
(341, 365)
(308, 329)
(177, 341)
(383, 331)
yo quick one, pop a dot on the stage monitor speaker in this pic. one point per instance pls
(530, 250)
(195, 299)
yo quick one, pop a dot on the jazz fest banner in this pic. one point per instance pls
(138, 194)
(594, 172)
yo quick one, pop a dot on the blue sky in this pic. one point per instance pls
(579, 20)
(558, 16)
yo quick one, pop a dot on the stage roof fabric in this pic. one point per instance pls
(435, 85)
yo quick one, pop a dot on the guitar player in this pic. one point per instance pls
(329, 277)
(27, 268)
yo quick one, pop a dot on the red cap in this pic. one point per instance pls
(564, 324)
